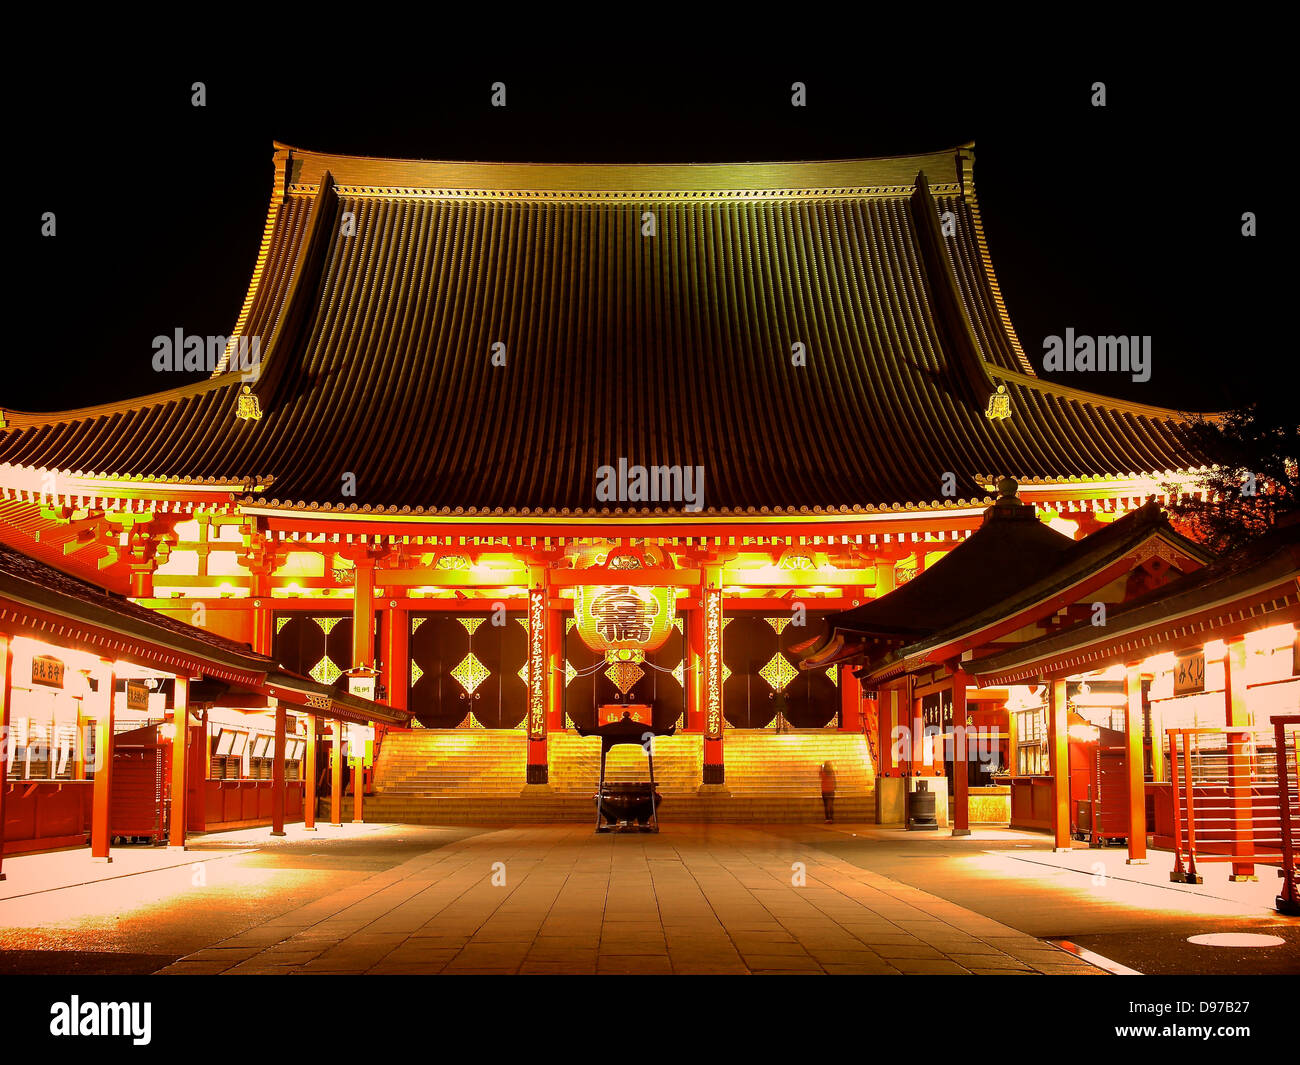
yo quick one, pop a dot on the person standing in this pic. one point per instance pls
(828, 790)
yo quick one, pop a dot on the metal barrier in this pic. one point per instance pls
(1286, 728)
(1235, 800)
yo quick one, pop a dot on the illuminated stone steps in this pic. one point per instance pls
(537, 808)
(476, 776)
(464, 762)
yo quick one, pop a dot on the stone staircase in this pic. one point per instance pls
(475, 776)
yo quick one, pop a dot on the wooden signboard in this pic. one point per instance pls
(1189, 674)
(47, 670)
(137, 695)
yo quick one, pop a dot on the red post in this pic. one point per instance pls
(6, 693)
(101, 825)
(277, 773)
(695, 671)
(1137, 800)
(397, 655)
(960, 756)
(336, 773)
(711, 592)
(1286, 902)
(1239, 751)
(1191, 876)
(850, 700)
(536, 768)
(359, 788)
(180, 762)
(1058, 739)
(309, 778)
(1179, 874)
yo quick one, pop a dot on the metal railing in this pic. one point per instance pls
(1235, 799)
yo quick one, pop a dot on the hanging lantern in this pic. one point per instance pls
(624, 618)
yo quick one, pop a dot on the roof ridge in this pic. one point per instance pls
(12, 419)
(1097, 399)
(304, 166)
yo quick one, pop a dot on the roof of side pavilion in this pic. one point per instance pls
(1254, 587)
(673, 349)
(47, 603)
(1008, 568)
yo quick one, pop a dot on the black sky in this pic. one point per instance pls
(1117, 220)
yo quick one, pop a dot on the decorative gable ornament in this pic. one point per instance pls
(247, 406)
(999, 404)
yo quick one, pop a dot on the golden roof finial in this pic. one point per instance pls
(247, 406)
(999, 404)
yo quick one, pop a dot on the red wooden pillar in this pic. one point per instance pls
(536, 770)
(363, 614)
(363, 656)
(397, 654)
(887, 718)
(960, 756)
(359, 789)
(711, 594)
(336, 773)
(555, 678)
(180, 762)
(1058, 740)
(6, 694)
(101, 824)
(850, 700)
(277, 773)
(309, 778)
(1133, 759)
(695, 671)
(263, 624)
(1236, 714)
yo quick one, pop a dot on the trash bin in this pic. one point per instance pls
(920, 808)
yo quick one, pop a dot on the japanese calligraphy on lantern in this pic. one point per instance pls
(622, 617)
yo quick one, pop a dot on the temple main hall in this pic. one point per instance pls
(806, 379)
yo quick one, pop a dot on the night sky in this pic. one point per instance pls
(1117, 220)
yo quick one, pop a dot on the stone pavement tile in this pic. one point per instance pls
(280, 956)
(717, 967)
(621, 945)
(914, 950)
(409, 953)
(781, 962)
(232, 955)
(960, 945)
(494, 933)
(195, 968)
(434, 941)
(845, 957)
(1004, 972)
(988, 962)
(747, 948)
(555, 968)
(928, 967)
(634, 964)
(835, 968)
(761, 935)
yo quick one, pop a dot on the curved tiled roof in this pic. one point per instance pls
(672, 349)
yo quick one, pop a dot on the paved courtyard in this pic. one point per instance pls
(732, 899)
